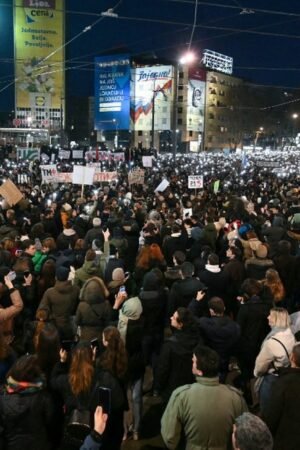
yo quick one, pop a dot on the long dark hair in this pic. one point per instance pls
(82, 369)
(47, 349)
(114, 358)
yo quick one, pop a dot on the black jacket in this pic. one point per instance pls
(282, 414)
(154, 307)
(175, 361)
(27, 420)
(183, 292)
(217, 283)
(221, 334)
(93, 233)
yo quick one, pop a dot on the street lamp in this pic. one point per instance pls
(116, 136)
(295, 116)
(187, 58)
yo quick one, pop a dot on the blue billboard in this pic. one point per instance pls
(112, 92)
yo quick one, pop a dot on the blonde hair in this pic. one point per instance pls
(279, 317)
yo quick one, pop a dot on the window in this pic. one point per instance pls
(179, 110)
(190, 133)
(180, 98)
(164, 121)
(179, 122)
(140, 133)
(181, 74)
(180, 87)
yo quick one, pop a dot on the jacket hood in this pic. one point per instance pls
(89, 267)
(63, 287)
(150, 282)
(93, 291)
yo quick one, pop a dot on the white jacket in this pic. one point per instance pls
(272, 354)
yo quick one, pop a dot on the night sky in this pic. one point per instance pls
(163, 28)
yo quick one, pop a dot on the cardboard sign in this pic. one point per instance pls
(147, 161)
(10, 192)
(195, 181)
(101, 177)
(136, 177)
(83, 175)
(162, 186)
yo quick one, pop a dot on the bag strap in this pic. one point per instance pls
(286, 352)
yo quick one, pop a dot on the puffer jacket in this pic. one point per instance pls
(94, 311)
(26, 419)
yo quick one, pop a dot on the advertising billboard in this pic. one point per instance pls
(112, 92)
(152, 85)
(39, 56)
(196, 100)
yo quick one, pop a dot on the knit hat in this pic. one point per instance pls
(62, 273)
(261, 251)
(96, 222)
(118, 274)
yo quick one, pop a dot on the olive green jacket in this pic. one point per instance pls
(205, 412)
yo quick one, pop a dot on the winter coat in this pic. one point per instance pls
(272, 355)
(282, 413)
(221, 334)
(26, 419)
(252, 319)
(182, 293)
(154, 304)
(176, 242)
(14, 309)
(273, 235)
(205, 411)
(217, 283)
(175, 361)
(256, 267)
(67, 238)
(91, 235)
(93, 312)
(286, 265)
(61, 301)
(89, 270)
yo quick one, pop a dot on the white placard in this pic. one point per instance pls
(64, 154)
(77, 154)
(195, 181)
(187, 213)
(147, 161)
(49, 173)
(162, 186)
(83, 175)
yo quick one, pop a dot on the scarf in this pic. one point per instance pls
(23, 387)
(131, 310)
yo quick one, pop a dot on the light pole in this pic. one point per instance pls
(116, 136)
(188, 58)
(294, 117)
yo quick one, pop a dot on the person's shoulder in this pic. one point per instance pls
(182, 390)
(233, 390)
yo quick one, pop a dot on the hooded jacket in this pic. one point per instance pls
(61, 300)
(154, 301)
(93, 312)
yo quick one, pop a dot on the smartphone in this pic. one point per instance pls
(95, 344)
(38, 244)
(67, 345)
(104, 399)
(12, 275)
(122, 289)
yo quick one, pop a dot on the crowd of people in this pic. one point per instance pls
(200, 289)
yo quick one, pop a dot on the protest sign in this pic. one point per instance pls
(23, 178)
(195, 181)
(162, 186)
(101, 177)
(10, 192)
(77, 154)
(216, 186)
(64, 154)
(28, 153)
(136, 177)
(49, 173)
(147, 161)
(83, 175)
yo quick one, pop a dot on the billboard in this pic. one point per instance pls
(112, 92)
(196, 100)
(39, 32)
(148, 84)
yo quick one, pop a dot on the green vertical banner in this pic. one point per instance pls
(216, 186)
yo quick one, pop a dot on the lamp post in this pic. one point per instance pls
(294, 117)
(188, 58)
(116, 136)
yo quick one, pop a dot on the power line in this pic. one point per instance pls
(222, 5)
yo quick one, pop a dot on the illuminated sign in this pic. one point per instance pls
(217, 61)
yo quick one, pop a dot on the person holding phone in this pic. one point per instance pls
(94, 440)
